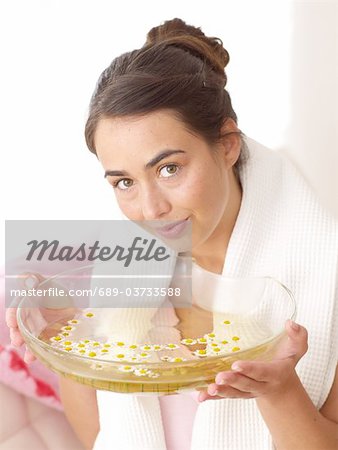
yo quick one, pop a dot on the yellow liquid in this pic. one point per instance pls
(171, 378)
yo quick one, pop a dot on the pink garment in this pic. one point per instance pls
(178, 414)
(33, 380)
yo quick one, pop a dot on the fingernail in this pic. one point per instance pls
(236, 367)
(213, 392)
(220, 381)
(201, 397)
(295, 326)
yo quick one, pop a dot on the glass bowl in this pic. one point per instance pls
(163, 350)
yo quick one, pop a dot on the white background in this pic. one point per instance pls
(282, 78)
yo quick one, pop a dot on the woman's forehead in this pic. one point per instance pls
(142, 136)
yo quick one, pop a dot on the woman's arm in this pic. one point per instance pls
(81, 410)
(293, 420)
(295, 423)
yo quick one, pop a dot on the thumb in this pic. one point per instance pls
(297, 339)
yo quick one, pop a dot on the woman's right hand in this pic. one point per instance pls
(28, 281)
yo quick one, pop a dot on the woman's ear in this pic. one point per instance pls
(231, 142)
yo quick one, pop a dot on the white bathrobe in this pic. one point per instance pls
(283, 232)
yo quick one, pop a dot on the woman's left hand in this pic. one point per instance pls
(251, 379)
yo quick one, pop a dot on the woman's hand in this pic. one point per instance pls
(27, 281)
(251, 379)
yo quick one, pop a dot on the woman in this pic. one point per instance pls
(162, 125)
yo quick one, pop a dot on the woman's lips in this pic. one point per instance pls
(173, 230)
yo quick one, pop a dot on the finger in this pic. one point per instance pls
(11, 317)
(260, 371)
(298, 339)
(16, 337)
(240, 382)
(227, 392)
(30, 280)
(28, 357)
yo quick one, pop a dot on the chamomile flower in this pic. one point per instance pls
(172, 346)
(153, 374)
(200, 353)
(140, 372)
(126, 368)
(188, 341)
(177, 359)
(144, 355)
(210, 336)
(133, 346)
(158, 347)
(146, 347)
(56, 338)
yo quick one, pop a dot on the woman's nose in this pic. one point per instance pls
(154, 204)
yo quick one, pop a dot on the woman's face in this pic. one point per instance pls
(161, 171)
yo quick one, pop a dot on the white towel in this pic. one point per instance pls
(282, 232)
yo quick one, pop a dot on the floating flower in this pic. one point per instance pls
(96, 366)
(144, 355)
(67, 328)
(141, 372)
(202, 340)
(133, 346)
(153, 374)
(146, 347)
(177, 359)
(172, 346)
(235, 338)
(210, 336)
(158, 347)
(92, 354)
(56, 338)
(89, 314)
(202, 352)
(65, 334)
(235, 349)
(73, 321)
(216, 349)
(188, 341)
(226, 322)
(126, 368)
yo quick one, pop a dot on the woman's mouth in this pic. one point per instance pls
(174, 229)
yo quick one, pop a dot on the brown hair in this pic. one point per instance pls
(178, 68)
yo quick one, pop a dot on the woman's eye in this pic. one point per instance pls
(169, 170)
(123, 184)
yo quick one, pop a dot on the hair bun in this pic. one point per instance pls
(177, 32)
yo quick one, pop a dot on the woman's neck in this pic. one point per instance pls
(211, 254)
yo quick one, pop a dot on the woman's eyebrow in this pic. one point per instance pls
(151, 163)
